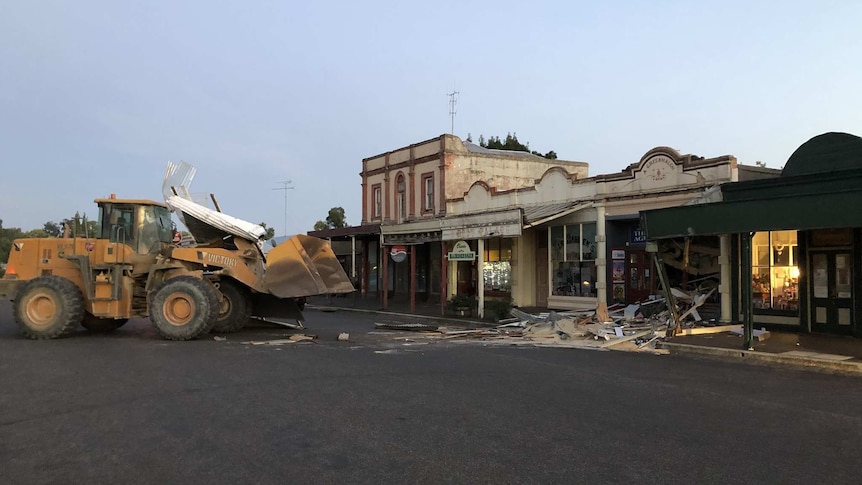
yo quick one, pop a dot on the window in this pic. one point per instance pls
(428, 192)
(497, 270)
(775, 270)
(377, 201)
(401, 189)
(573, 260)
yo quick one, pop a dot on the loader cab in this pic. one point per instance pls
(140, 224)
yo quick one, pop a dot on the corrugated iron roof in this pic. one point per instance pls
(539, 214)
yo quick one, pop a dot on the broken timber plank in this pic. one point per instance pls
(415, 327)
(602, 312)
(612, 342)
(708, 330)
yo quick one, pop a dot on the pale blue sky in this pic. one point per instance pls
(96, 96)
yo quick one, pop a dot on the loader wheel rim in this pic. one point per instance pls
(224, 307)
(178, 309)
(41, 309)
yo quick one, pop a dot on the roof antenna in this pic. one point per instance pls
(453, 100)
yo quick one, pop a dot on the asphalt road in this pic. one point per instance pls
(132, 408)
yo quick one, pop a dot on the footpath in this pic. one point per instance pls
(826, 353)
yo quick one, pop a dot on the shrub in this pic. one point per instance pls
(499, 309)
(462, 301)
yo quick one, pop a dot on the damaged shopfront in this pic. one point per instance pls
(794, 243)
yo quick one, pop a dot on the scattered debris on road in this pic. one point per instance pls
(299, 337)
(635, 328)
(414, 327)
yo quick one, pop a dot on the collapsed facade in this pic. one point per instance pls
(793, 243)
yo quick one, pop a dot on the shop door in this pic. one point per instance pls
(639, 276)
(465, 278)
(542, 277)
(831, 292)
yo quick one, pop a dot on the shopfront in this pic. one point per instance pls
(795, 252)
(572, 260)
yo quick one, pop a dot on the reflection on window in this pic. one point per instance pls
(373, 252)
(573, 254)
(497, 269)
(775, 270)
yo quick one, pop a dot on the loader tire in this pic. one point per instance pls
(48, 307)
(184, 307)
(234, 309)
(102, 325)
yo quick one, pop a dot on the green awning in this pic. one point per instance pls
(800, 212)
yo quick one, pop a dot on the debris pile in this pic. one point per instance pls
(636, 327)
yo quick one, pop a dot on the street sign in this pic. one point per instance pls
(461, 252)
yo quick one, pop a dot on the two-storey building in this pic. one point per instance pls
(406, 191)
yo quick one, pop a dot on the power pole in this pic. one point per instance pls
(453, 100)
(287, 186)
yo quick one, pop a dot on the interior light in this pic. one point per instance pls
(794, 272)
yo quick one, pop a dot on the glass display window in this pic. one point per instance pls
(775, 270)
(573, 265)
(497, 267)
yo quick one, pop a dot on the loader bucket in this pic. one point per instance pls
(304, 266)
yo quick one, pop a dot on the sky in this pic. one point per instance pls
(97, 96)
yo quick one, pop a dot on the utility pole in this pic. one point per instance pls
(453, 100)
(287, 186)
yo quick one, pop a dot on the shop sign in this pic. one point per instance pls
(461, 252)
(637, 235)
(398, 253)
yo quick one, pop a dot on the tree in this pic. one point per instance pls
(334, 220)
(511, 143)
(6, 238)
(79, 226)
(53, 229)
(270, 231)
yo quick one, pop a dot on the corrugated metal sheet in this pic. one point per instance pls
(539, 214)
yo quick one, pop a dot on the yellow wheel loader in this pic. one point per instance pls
(133, 268)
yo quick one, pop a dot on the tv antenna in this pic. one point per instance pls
(288, 185)
(453, 100)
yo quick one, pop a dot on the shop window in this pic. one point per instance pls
(573, 260)
(775, 270)
(497, 269)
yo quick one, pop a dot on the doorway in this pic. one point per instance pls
(831, 292)
(639, 276)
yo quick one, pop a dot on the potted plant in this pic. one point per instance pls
(462, 305)
(499, 308)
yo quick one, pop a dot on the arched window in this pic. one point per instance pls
(401, 190)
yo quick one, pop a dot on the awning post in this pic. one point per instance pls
(746, 290)
(674, 326)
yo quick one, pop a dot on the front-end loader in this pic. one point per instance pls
(133, 268)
